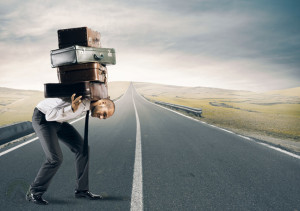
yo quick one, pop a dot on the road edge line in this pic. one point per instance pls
(31, 140)
(18, 146)
(228, 131)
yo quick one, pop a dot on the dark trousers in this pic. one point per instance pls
(49, 132)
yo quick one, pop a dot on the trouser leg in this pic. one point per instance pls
(69, 135)
(47, 133)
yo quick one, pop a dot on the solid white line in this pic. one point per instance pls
(137, 184)
(31, 140)
(245, 137)
(76, 120)
(16, 147)
(281, 150)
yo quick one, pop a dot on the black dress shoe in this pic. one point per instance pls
(37, 199)
(87, 194)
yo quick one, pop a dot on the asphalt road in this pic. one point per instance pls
(186, 165)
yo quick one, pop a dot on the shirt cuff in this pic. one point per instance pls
(68, 109)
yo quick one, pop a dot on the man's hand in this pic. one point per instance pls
(75, 102)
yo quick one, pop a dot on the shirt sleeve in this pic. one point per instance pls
(59, 113)
(64, 112)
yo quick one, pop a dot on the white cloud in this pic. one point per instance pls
(205, 48)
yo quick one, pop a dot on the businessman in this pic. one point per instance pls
(49, 121)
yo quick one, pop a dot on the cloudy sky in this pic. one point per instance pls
(233, 44)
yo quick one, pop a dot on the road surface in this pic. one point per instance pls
(147, 157)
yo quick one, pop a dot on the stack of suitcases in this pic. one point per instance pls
(81, 65)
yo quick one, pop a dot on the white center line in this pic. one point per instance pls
(137, 184)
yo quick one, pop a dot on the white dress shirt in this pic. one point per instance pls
(56, 109)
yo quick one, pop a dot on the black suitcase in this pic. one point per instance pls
(83, 36)
(93, 90)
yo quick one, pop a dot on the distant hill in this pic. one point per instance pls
(279, 96)
(287, 92)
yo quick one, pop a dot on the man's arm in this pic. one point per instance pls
(65, 111)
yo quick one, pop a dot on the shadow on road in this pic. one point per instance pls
(116, 198)
(56, 200)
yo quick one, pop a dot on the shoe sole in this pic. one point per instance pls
(86, 197)
(29, 199)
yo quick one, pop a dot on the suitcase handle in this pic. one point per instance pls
(98, 58)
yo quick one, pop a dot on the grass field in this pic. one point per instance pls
(272, 116)
(17, 105)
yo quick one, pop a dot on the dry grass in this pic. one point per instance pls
(261, 115)
(118, 88)
(17, 105)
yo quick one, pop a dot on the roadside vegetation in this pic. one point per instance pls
(272, 116)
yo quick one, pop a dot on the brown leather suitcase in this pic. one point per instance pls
(92, 71)
(93, 90)
(82, 36)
